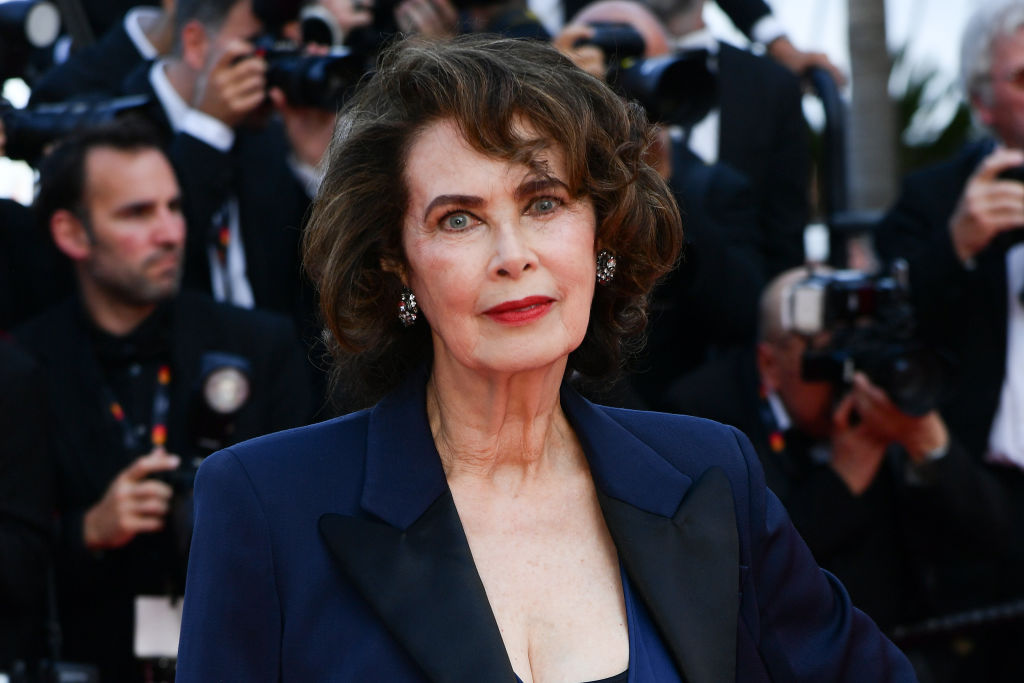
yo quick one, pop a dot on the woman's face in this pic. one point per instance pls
(500, 257)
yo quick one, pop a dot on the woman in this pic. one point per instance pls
(487, 224)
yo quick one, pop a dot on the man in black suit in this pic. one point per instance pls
(883, 498)
(25, 508)
(756, 126)
(710, 301)
(960, 225)
(247, 169)
(143, 381)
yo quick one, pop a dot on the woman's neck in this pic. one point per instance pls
(505, 428)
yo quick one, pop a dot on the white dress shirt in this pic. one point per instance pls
(229, 280)
(1006, 438)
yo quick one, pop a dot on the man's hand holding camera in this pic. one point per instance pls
(234, 85)
(133, 504)
(867, 422)
(572, 41)
(989, 205)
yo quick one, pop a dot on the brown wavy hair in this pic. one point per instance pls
(486, 85)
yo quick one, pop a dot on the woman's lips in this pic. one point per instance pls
(520, 311)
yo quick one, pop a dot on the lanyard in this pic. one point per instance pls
(221, 239)
(776, 439)
(161, 407)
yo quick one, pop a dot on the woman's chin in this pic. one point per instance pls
(518, 358)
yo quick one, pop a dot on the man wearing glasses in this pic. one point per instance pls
(960, 225)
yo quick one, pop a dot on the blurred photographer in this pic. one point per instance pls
(143, 381)
(710, 301)
(960, 225)
(247, 167)
(754, 124)
(839, 401)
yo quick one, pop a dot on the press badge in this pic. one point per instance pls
(157, 625)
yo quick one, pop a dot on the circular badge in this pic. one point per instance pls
(226, 389)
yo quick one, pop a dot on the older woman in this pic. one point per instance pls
(486, 226)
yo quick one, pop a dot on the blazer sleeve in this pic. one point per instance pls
(806, 627)
(231, 627)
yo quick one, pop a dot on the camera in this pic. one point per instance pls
(29, 131)
(674, 89)
(322, 81)
(25, 25)
(1007, 239)
(871, 328)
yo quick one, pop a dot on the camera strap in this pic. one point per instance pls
(161, 408)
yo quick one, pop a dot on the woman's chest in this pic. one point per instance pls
(552, 581)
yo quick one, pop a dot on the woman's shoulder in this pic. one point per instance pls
(650, 425)
(337, 443)
(690, 444)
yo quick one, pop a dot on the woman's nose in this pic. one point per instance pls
(513, 255)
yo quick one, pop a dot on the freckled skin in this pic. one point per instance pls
(496, 234)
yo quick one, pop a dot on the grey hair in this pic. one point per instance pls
(994, 20)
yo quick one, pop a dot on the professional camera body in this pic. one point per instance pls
(870, 326)
(311, 80)
(29, 131)
(674, 89)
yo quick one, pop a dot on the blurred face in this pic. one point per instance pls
(1004, 113)
(239, 24)
(501, 258)
(137, 231)
(632, 13)
(809, 404)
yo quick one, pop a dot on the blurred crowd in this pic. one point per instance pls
(154, 307)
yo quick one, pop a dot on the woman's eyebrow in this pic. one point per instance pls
(537, 185)
(466, 200)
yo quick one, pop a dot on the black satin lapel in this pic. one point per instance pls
(424, 585)
(686, 570)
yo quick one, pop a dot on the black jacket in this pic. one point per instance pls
(892, 542)
(96, 589)
(25, 506)
(763, 135)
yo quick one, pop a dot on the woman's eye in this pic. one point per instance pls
(545, 205)
(457, 221)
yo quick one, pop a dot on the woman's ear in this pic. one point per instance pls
(70, 235)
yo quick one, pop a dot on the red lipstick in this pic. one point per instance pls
(520, 311)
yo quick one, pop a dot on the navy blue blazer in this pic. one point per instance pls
(335, 553)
